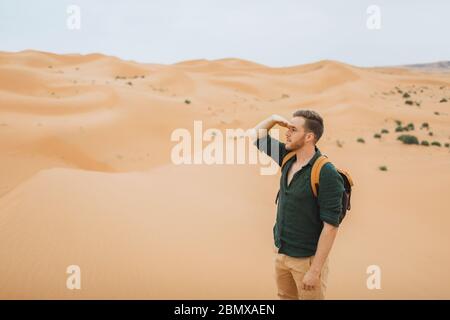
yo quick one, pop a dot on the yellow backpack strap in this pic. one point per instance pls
(315, 172)
(286, 158)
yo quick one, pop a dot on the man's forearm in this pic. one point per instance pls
(324, 245)
(262, 128)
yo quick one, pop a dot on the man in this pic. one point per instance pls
(305, 226)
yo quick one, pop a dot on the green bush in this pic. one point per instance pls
(398, 122)
(382, 168)
(377, 136)
(430, 133)
(361, 140)
(408, 127)
(436, 143)
(425, 125)
(384, 131)
(408, 139)
(447, 145)
(399, 129)
(187, 101)
(406, 95)
(425, 143)
(409, 102)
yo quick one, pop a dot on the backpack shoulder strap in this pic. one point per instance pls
(286, 158)
(315, 172)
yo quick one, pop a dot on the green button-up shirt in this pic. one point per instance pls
(300, 215)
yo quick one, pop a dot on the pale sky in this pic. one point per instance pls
(271, 32)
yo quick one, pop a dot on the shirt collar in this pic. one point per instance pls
(315, 156)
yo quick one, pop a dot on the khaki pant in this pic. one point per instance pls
(289, 273)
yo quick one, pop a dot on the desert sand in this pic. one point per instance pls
(86, 178)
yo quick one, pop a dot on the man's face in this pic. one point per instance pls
(297, 136)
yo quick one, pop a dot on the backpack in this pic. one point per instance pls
(315, 174)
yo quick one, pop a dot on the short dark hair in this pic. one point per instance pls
(313, 122)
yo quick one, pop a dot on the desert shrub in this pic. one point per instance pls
(408, 139)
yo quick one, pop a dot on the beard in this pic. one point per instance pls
(299, 143)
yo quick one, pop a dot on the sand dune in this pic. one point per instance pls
(86, 177)
(141, 244)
